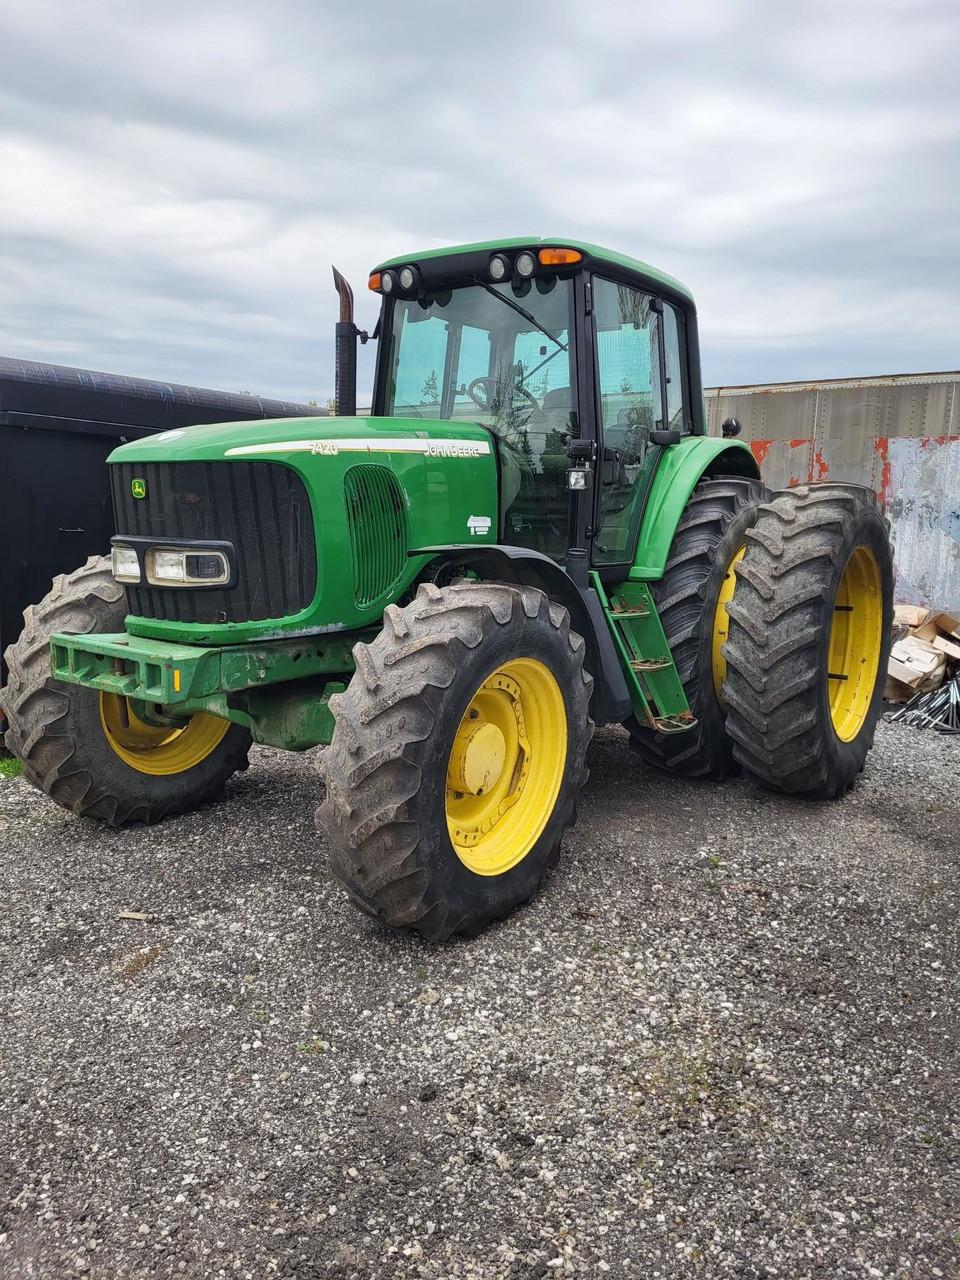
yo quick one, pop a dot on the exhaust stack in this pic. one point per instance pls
(345, 388)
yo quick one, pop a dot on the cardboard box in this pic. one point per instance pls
(894, 691)
(910, 615)
(947, 623)
(950, 647)
(916, 663)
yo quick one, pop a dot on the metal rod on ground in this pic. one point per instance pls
(938, 709)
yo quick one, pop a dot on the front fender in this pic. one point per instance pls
(501, 562)
(681, 468)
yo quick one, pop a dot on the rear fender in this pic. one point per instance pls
(681, 469)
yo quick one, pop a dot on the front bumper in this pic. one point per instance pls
(184, 675)
(279, 690)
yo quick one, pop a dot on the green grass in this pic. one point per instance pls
(10, 767)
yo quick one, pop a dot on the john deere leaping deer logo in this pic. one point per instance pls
(138, 487)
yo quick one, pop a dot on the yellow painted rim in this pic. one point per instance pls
(856, 635)
(721, 622)
(506, 767)
(155, 749)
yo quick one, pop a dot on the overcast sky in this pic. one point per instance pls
(177, 178)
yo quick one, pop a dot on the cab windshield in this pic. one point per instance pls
(470, 354)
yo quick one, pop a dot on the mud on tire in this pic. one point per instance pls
(385, 770)
(56, 731)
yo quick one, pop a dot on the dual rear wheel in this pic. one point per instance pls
(778, 611)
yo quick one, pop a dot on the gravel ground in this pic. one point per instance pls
(722, 1042)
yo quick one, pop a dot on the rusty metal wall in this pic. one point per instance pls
(899, 434)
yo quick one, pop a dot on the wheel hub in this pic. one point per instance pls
(505, 766)
(478, 757)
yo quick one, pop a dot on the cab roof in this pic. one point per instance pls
(595, 255)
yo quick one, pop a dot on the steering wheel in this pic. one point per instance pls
(488, 387)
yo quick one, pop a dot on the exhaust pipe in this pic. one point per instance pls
(345, 388)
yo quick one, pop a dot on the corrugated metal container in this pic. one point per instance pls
(900, 435)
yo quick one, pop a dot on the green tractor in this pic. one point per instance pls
(530, 535)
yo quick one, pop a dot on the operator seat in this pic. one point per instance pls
(558, 406)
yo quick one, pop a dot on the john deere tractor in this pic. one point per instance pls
(530, 534)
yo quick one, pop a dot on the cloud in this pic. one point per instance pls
(178, 179)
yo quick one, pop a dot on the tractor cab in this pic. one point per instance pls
(583, 365)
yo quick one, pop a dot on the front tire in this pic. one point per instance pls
(91, 752)
(810, 631)
(458, 755)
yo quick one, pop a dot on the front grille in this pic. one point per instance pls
(261, 507)
(377, 521)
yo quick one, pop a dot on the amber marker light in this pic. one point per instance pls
(559, 257)
(374, 282)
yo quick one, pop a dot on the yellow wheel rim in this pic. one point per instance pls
(721, 623)
(158, 749)
(506, 767)
(855, 644)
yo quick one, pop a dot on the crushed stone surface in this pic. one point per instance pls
(722, 1042)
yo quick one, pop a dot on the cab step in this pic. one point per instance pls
(656, 691)
(617, 613)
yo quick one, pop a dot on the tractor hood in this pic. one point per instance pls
(321, 518)
(283, 438)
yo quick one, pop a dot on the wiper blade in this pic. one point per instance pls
(521, 311)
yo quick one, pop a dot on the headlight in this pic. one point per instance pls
(408, 278)
(172, 567)
(126, 566)
(388, 281)
(526, 264)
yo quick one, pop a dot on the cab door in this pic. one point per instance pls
(640, 390)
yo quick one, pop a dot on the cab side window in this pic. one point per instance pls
(628, 327)
(628, 352)
(677, 418)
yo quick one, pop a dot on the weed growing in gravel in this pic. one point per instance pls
(10, 767)
(136, 964)
(314, 1046)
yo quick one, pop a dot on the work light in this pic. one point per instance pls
(388, 281)
(526, 264)
(499, 267)
(126, 566)
(409, 277)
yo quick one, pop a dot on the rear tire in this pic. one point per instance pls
(712, 530)
(810, 631)
(59, 730)
(391, 817)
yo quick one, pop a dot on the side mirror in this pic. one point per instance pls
(731, 427)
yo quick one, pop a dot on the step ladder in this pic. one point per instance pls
(656, 691)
